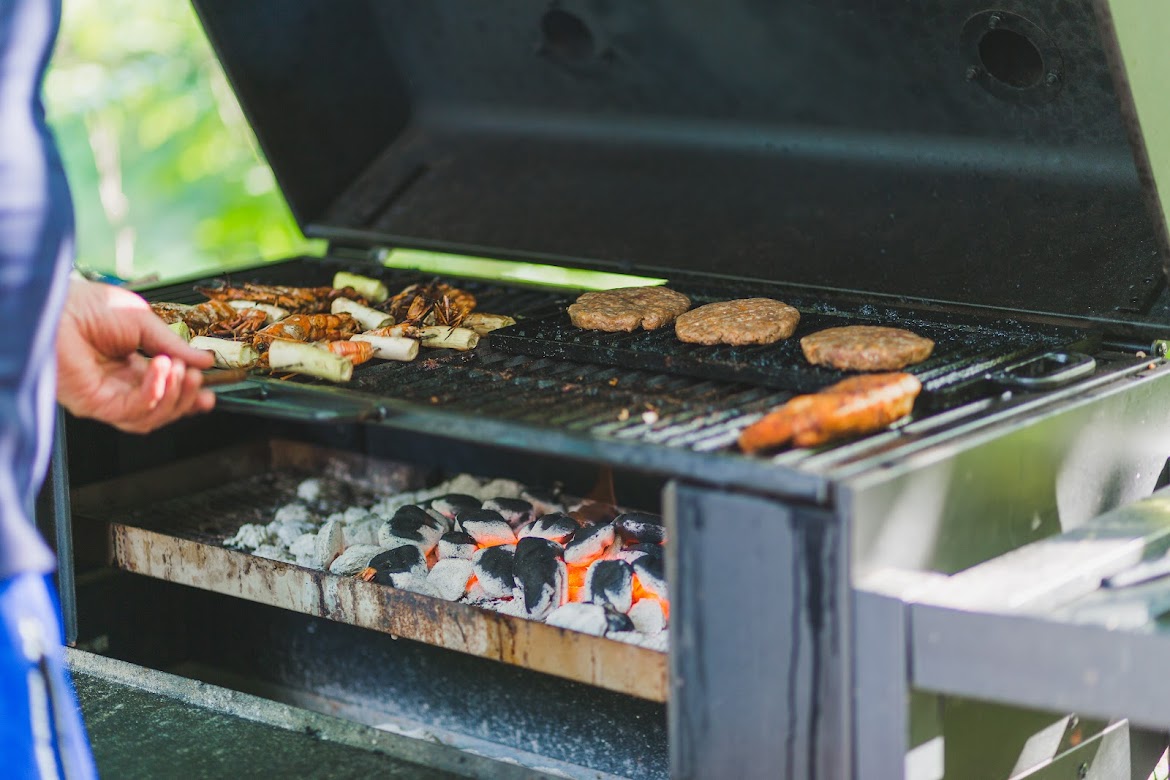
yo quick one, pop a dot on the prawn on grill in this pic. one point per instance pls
(299, 300)
(244, 326)
(308, 327)
(198, 318)
(434, 303)
(357, 352)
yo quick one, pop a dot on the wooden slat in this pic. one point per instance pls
(597, 661)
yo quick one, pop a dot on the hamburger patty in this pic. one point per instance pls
(852, 407)
(627, 308)
(866, 348)
(744, 321)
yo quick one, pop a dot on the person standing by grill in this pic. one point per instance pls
(96, 332)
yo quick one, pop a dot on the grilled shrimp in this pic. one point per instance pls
(299, 300)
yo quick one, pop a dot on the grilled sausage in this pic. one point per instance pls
(855, 406)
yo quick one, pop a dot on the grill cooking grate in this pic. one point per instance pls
(613, 402)
(962, 350)
(647, 386)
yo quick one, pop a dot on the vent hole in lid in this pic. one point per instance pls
(1011, 58)
(566, 36)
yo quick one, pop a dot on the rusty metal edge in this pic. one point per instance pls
(605, 663)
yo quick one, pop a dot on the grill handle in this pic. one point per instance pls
(1044, 372)
(294, 403)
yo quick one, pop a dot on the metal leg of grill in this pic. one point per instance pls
(760, 682)
(882, 681)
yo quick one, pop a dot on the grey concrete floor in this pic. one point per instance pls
(137, 734)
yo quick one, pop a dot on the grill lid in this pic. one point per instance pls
(947, 151)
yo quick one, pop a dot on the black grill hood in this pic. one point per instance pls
(951, 151)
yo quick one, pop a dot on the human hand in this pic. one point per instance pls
(102, 375)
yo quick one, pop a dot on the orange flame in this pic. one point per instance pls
(640, 592)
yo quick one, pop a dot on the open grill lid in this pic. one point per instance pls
(950, 151)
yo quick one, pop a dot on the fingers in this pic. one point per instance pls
(157, 339)
(154, 381)
(169, 390)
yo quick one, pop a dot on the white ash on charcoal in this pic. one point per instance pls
(649, 549)
(541, 579)
(476, 596)
(330, 544)
(450, 577)
(445, 525)
(652, 576)
(419, 585)
(493, 569)
(516, 511)
(615, 621)
(364, 531)
(492, 544)
(659, 641)
(285, 532)
(410, 525)
(303, 549)
(388, 505)
(499, 488)
(456, 544)
(647, 616)
(293, 513)
(464, 484)
(640, 528)
(354, 514)
(555, 526)
(589, 542)
(508, 606)
(633, 552)
(611, 582)
(249, 537)
(452, 504)
(355, 559)
(578, 616)
(309, 490)
(411, 516)
(396, 567)
(345, 483)
(487, 527)
(544, 502)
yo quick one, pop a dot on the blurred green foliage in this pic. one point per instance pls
(165, 172)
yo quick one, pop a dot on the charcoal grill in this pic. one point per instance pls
(912, 167)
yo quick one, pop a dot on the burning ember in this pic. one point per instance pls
(580, 565)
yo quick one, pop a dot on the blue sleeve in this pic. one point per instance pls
(36, 242)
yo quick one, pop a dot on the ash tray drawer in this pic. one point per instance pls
(1079, 622)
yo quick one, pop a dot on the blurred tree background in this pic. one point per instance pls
(167, 178)
(166, 175)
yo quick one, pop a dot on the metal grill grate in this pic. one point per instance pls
(962, 349)
(648, 387)
(613, 402)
